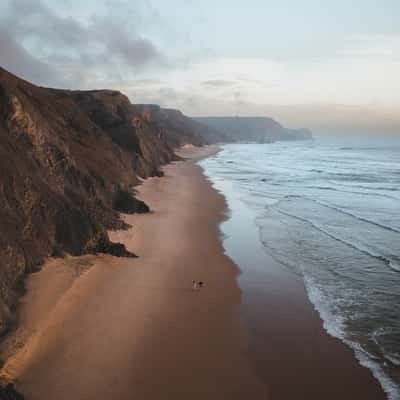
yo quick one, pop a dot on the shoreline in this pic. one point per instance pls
(288, 340)
(101, 326)
(130, 327)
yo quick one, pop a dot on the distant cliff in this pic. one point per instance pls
(69, 161)
(253, 129)
(179, 128)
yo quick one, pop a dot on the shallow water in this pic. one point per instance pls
(330, 211)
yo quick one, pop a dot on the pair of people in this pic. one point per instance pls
(197, 285)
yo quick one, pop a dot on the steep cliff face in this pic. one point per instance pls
(253, 129)
(68, 163)
(126, 126)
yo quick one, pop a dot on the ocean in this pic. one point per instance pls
(329, 210)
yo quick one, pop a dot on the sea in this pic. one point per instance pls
(329, 209)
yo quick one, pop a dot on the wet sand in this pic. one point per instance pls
(122, 328)
(104, 327)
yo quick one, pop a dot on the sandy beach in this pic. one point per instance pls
(104, 327)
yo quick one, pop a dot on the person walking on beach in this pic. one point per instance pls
(197, 285)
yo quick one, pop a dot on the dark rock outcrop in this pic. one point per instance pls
(253, 129)
(125, 202)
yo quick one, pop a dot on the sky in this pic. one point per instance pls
(323, 64)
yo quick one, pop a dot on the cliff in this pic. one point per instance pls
(180, 129)
(69, 161)
(253, 129)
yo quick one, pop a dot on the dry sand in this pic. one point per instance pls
(133, 328)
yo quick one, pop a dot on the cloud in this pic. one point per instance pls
(78, 52)
(34, 21)
(136, 52)
(130, 46)
(15, 58)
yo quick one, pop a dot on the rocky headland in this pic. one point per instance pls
(254, 129)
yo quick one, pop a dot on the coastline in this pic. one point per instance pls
(122, 327)
(289, 343)
(101, 326)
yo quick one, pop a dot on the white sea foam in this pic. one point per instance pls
(369, 291)
(393, 360)
(334, 324)
(390, 388)
(395, 266)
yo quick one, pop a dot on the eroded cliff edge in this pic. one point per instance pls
(69, 161)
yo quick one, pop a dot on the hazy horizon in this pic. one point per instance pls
(328, 66)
